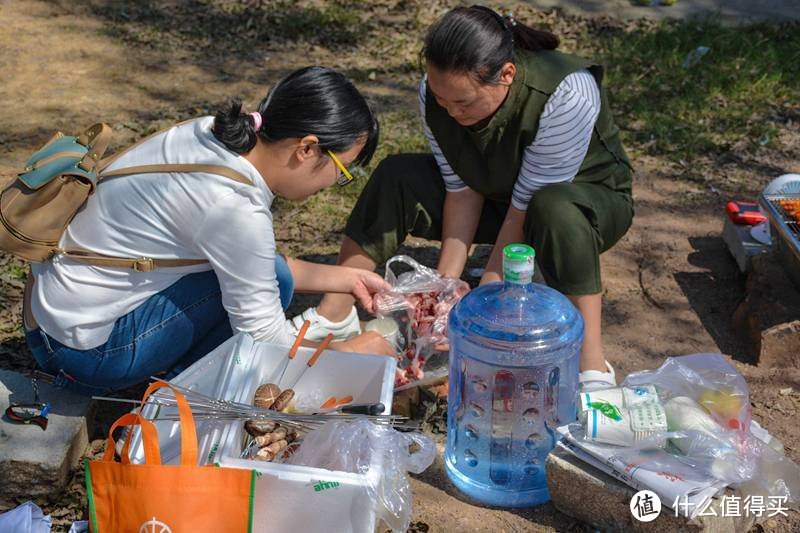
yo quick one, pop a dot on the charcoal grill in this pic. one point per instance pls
(785, 230)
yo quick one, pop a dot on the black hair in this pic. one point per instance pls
(309, 101)
(479, 41)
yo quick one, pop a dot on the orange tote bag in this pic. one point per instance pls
(126, 497)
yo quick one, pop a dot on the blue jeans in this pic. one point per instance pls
(163, 336)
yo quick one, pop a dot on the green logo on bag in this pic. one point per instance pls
(212, 452)
(320, 485)
(608, 409)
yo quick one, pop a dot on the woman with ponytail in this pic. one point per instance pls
(100, 328)
(525, 149)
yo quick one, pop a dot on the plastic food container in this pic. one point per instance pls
(287, 497)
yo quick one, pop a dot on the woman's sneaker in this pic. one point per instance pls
(592, 380)
(321, 326)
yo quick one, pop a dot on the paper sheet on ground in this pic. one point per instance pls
(678, 482)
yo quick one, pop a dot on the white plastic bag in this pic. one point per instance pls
(81, 526)
(419, 302)
(711, 429)
(355, 446)
(27, 518)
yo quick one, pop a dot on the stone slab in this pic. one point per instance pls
(595, 498)
(35, 462)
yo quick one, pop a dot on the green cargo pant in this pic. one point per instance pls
(568, 224)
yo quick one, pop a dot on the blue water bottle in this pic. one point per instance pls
(514, 361)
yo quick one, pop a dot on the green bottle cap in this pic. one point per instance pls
(518, 263)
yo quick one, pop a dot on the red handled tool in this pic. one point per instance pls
(293, 351)
(744, 213)
(311, 362)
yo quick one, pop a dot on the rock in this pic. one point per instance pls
(769, 314)
(591, 496)
(780, 346)
(35, 462)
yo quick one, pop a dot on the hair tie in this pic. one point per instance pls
(509, 16)
(257, 120)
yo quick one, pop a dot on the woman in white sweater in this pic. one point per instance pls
(102, 328)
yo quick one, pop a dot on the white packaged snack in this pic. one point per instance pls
(639, 395)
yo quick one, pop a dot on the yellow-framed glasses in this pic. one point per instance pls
(344, 176)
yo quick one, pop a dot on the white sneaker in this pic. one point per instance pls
(321, 326)
(592, 380)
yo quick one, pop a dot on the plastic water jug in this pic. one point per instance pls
(514, 362)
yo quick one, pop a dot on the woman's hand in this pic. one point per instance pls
(364, 284)
(316, 278)
(490, 276)
(369, 342)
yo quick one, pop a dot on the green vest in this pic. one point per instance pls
(488, 159)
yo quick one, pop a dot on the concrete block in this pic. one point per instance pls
(595, 498)
(35, 462)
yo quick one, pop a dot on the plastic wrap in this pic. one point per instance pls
(27, 518)
(709, 428)
(354, 446)
(419, 302)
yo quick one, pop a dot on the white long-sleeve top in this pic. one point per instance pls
(166, 216)
(560, 144)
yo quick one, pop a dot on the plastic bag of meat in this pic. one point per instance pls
(419, 302)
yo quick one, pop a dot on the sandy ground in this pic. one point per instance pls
(670, 285)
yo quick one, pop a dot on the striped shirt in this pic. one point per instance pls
(560, 145)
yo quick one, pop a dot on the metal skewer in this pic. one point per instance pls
(314, 358)
(293, 351)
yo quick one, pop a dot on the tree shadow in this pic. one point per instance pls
(715, 293)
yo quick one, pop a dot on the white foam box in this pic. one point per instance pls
(287, 497)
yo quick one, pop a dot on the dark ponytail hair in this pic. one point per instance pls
(309, 101)
(479, 41)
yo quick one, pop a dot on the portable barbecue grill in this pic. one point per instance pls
(785, 228)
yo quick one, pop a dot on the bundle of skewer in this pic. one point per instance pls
(207, 408)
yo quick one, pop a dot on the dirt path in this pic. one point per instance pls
(733, 12)
(670, 285)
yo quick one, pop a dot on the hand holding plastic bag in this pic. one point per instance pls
(361, 446)
(419, 302)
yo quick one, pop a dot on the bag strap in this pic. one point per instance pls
(109, 160)
(188, 430)
(148, 264)
(142, 264)
(219, 170)
(152, 455)
(96, 139)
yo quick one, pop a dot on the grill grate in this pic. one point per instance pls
(790, 221)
